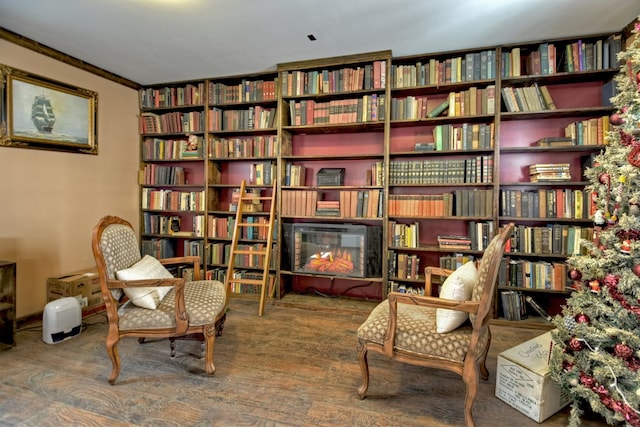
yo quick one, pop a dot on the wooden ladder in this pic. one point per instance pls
(265, 255)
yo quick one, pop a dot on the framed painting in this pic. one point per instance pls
(37, 112)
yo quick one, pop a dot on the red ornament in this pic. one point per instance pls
(594, 285)
(582, 318)
(575, 275)
(638, 77)
(636, 270)
(604, 178)
(616, 119)
(623, 351)
(634, 156)
(575, 344)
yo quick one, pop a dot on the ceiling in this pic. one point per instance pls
(158, 41)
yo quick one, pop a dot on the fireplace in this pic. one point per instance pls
(335, 249)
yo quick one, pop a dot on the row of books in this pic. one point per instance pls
(588, 132)
(295, 175)
(222, 227)
(173, 149)
(217, 253)
(478, 169)
(547, 58)
(245, 91)
(470, 67)
(404, 266)
(421, 205)
(513, 305)
(262, 173)
(153, 174)
(454, 261)
(347, 79)
(172, 96)
(471, 102)
(522, 273)
(547, 203)
(402, 235)
(403, 288)
(350, 204)
(475, 202)
(527, 98)
(468, 136)
(163, 199)
(368, 108)
(172, 225)
(172, 122)
(560, 239)
(244, 147)
(254, 117)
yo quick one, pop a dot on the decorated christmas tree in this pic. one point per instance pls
(596, 351)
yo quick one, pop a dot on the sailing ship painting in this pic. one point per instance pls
(46, 114)
(42, 114)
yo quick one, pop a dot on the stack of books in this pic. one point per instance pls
(328, 208)
(454, 242)
(556, 172)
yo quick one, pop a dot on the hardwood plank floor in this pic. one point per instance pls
(295, 366)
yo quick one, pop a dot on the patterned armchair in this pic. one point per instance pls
(403, 327)
(189, 309)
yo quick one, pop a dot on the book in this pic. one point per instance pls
(439, 109)
(555, 141)
(541, 311)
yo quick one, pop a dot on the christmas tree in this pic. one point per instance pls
(596, 351)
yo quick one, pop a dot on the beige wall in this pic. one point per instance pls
(50, 201)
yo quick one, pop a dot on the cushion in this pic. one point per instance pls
(458, 286)
(147, 268)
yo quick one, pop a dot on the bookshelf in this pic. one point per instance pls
(554, 212)
(173, 173)
(439, 145)
(441, 167)
(336, 122)
(242, 144)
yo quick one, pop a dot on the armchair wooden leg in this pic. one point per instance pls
(172, 345)
(472, 388)
(210, 332)
(112, 352)
(364, 369)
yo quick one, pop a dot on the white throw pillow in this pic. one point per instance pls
(147, 268)
(458, 286)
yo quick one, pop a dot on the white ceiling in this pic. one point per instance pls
(157, 41)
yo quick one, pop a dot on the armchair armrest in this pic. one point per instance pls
(191, 259)
(429, 272)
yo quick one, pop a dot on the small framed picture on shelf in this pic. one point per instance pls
(37, 112)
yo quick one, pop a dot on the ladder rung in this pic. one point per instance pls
(247, 281)
(253, 224)
(248, 252)
(249, 199)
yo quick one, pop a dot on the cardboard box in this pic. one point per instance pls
(523, 380)
(83, 284)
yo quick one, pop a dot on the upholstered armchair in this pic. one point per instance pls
(159, 305)
(417, 329)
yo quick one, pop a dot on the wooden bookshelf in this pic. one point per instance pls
(432, 136)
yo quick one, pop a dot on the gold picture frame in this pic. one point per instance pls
(41, 113)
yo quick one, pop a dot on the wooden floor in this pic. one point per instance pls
(295, 366)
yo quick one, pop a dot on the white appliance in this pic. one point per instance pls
(61, 320)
